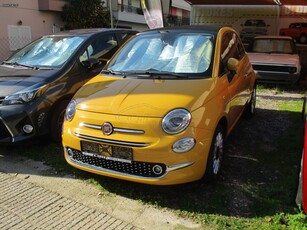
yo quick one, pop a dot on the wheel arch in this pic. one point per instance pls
(56, 104)
(224, 124)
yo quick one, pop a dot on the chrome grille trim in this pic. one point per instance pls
(119, 130)
(124, 143)
(90, 126)
(87, 165)
(179, 166)
(134, 131)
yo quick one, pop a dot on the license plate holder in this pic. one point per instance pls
(106, 151)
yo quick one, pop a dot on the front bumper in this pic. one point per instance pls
(154, 161)
(136, 170)
(13, 119)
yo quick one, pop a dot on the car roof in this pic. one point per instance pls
(192, 28)
(88, 32)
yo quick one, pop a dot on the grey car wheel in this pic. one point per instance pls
(215, 157)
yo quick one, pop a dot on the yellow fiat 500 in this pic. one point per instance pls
(160, 110)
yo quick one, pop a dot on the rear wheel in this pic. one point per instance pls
(215, 157)
(57, 121)
(303, 39)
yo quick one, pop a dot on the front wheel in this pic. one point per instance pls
(215, 156)
(56, 121)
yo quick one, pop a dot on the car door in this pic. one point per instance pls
(231, 47)
(96, 55)
(99, 51)
(295, 30)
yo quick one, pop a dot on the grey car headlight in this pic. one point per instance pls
(176, 121)
(70, 110)
(23, 96)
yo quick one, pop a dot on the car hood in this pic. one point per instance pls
(15, 79)
(280, 59)
(142, 97)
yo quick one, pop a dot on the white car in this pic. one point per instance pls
(275, 59)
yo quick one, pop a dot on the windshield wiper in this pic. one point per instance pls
(109, 71)
(18, 64)
(157, 74)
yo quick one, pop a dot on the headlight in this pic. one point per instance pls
(23, 96)
(70, 110)
(176, 121)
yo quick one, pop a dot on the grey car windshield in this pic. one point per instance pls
(51, 52)
(285, 46)
(165, 52)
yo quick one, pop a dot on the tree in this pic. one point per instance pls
(79, 14)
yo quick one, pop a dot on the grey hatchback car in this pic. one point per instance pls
(37, 82)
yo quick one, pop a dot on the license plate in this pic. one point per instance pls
(105, 151)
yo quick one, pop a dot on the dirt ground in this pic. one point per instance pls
(149, 216)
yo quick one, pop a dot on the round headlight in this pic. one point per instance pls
(70, 110)
(176, 121)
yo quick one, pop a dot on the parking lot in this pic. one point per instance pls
(259, 177)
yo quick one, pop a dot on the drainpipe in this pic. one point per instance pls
(111, 13)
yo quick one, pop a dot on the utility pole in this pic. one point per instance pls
(111, 13)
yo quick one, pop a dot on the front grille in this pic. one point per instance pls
(136, 168)
(275, 68)
(4, 132)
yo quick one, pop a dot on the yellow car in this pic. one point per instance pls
(160, 110)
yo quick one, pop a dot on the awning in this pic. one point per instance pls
(248, 2)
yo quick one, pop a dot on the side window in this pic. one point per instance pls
(229, 48)
(101, 48)
(241, 50)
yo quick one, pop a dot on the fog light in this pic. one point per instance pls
(69, 152)
(157, 169)
(27, 128)
(184, 145)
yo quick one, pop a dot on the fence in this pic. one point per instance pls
(5, 51)
(8, 46)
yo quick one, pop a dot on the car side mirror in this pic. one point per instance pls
(232, 66)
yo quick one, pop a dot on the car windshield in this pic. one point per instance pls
(48, 52)
(254, 23)
(285, 46)
(165, 53)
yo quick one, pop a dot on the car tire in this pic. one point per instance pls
(251, 106)
(303, 39)
(215, 157)
(56, 121)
